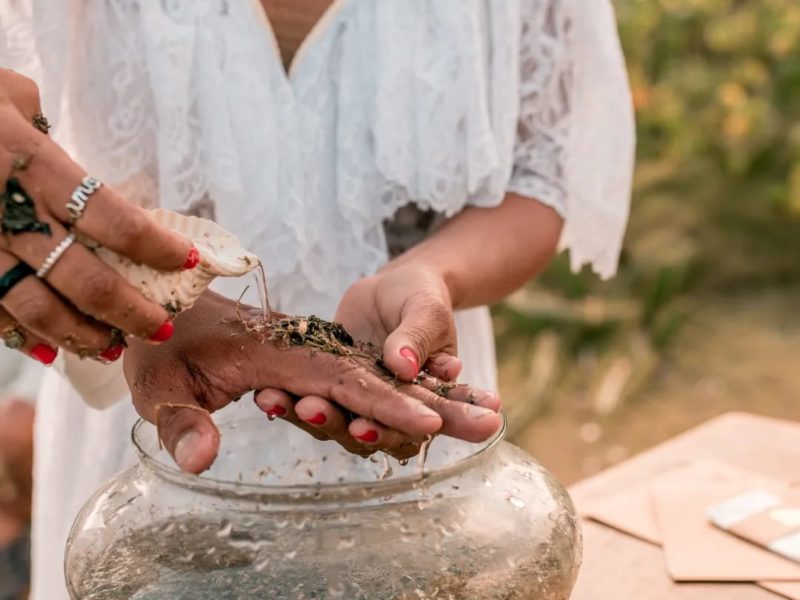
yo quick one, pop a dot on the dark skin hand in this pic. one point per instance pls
(79, 303)
(406, 308)
(213, 360)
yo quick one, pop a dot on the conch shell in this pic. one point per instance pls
(221, 255)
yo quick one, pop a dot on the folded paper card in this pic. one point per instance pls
(695, 550)
(766, 519)
(632, 510)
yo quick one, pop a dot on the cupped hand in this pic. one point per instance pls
(80, 303)
(212, 360)
(406, 311)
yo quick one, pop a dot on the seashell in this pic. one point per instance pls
(221, 255)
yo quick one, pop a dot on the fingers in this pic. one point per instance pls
(16, 337)
(189, 435)
(277, 404)
(325, 421)
(49, 319)
(324, 417)
(315, 416)
(427, 326)
(50, 177)
(184, 428)
(375, 436)
(444, 366)
(462, 393)
(21, 92)
(368, 395)
(89, 284)
(460, 420)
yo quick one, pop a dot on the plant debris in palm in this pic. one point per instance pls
(312, 332)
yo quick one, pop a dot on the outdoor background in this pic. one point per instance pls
(703, 318)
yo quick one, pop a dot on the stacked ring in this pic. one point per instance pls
(77, 202)
(13, 339)
(55, 255)
(13, 276)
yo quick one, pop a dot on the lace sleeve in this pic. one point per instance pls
(575, 135)
(545, 94)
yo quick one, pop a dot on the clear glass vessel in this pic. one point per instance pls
(283, 516)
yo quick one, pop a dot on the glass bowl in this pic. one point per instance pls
(283, 516)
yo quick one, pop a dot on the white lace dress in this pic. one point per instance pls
(441, 104)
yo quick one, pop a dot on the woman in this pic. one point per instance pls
(506, 120)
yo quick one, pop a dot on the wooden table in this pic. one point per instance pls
(619, 567)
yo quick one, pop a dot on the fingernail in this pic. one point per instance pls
(192, 260)
(478, 412)
(317, 419)
(275, 412)
(452, 368)
(411, 357)
(186, 448)
(424, 411)
(44, 354)
(112, 354)
(369, 437)
(164, 332)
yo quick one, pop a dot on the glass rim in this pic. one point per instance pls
(313, 493)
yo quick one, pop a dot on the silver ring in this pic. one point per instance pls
(13, 340)
(77, 202)
(55, 255)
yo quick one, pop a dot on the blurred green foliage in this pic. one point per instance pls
(716, 82)
(716, 208)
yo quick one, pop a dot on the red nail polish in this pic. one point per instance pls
(370, 437)
(411, 357)
(275, 412)
(112, 354)
(317, 419)
(164, 332)
(44, 354)
(192, 260)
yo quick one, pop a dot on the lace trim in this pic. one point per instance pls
(460, 102)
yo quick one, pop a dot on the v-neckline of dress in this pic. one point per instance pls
(317, 30)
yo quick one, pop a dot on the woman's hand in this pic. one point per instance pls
(212, 360)
(79, 302)
(406, 311)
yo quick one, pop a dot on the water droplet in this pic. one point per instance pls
(387, 468)
(403, 462)
(423, 455)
